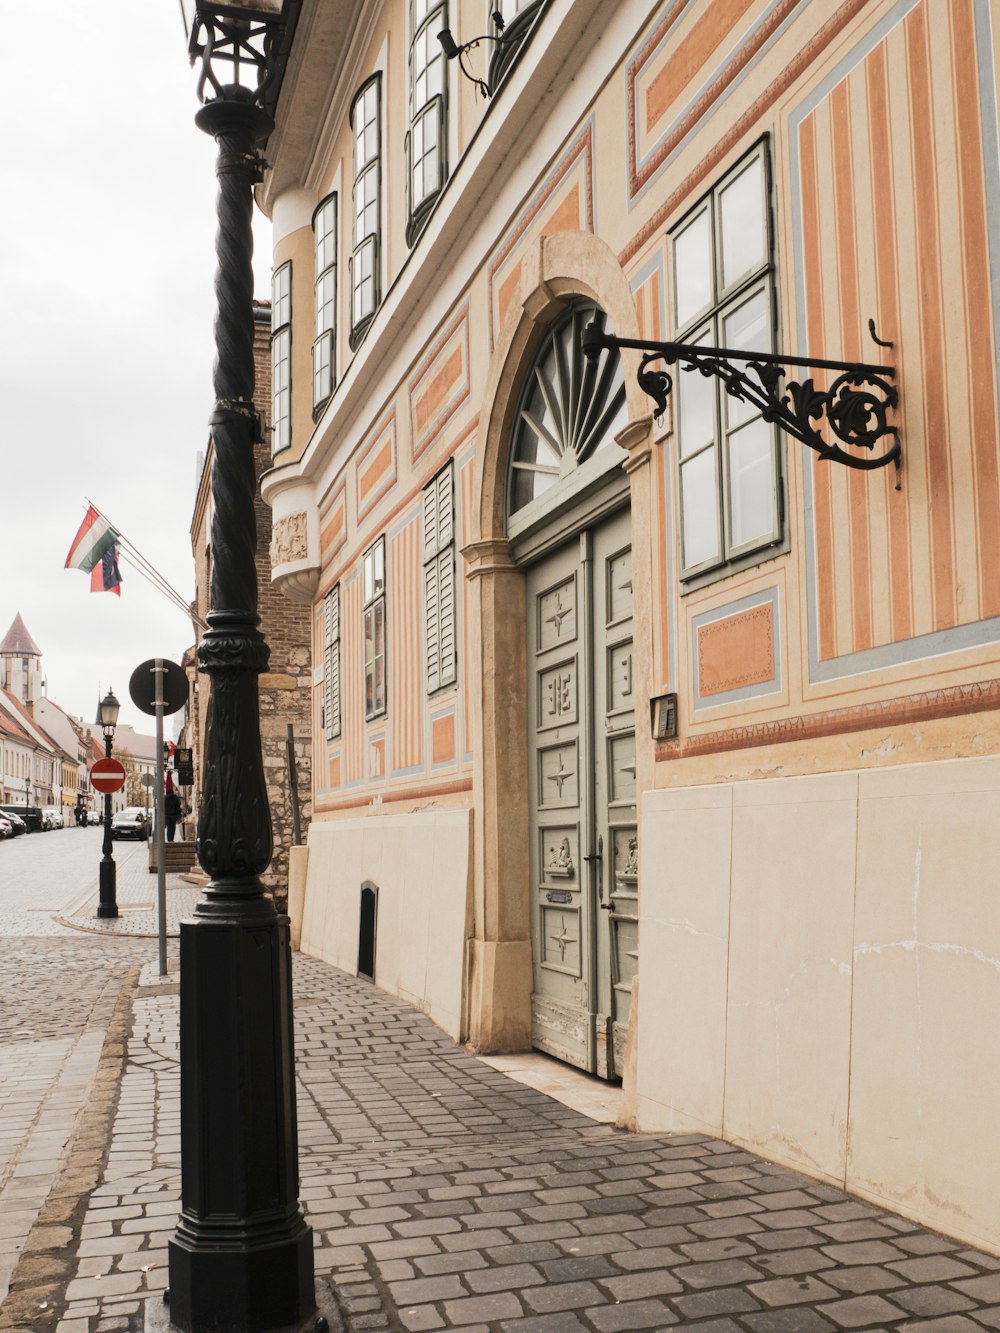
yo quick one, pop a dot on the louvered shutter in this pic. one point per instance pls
(439, 581)
(331, 662)
(432, 649)
(445, 509)
(446, 616)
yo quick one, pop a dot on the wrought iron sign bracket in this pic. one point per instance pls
(453, 51)
(855, 407)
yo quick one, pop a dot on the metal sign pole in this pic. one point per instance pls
(161, 870)
(293, 784)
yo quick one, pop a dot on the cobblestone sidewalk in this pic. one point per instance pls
(443, 1195)
(136, 898)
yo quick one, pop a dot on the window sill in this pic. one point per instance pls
(753, 560)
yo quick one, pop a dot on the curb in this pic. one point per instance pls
(36, 1301)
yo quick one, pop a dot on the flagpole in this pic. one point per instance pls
(149, 571)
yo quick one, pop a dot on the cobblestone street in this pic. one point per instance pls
(443, 1193)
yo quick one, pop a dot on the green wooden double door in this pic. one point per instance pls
(583, 830)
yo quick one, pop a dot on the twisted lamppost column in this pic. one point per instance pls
(241, 1260)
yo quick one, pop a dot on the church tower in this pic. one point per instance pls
(21, 664)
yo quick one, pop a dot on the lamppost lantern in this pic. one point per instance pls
(107, 713)
(238, 47)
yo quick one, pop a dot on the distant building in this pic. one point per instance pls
(21, 664)
(38, 758)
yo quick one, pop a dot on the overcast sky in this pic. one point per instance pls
(107, 224)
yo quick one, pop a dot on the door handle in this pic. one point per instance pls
(598, 856)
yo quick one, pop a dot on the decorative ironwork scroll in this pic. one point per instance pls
(855, 407)
(250, 40)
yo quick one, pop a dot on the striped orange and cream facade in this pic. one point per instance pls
(803, 947)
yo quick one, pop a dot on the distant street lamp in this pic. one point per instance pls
(241, 1259)
(107, 906)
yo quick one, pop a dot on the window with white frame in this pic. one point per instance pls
(373, 611)
(331, 663)
(427, 140)
(366, 255)
(728, 461)
(440, 639)
(324, 365)
(281, 358)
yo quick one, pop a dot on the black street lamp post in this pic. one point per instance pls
(241, 1259)
(107, 905)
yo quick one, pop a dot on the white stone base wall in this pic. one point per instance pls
(422, 865)
(820, 979)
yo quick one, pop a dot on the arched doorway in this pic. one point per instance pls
(584, 509)
(569, 525)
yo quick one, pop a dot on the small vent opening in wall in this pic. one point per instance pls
(366, 930)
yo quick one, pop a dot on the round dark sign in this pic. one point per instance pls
(142, 686)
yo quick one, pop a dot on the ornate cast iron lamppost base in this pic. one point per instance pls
(241, 1260)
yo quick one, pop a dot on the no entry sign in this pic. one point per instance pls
(107, 776)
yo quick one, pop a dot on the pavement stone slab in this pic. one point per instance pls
(446, 1195)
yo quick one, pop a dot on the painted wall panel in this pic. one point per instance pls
(892, 187)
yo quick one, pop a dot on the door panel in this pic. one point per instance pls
(582, 796)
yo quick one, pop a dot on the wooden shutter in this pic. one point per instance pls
(446, 615)
(432, 627)
(439, 581)
(331, 662)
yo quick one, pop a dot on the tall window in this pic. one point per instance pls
(373, 604)
(324, 364)
(365, 259)
(331, 663)
(426, 143)
(281, 358)
(723, 296)
(439, 580)
(518, 16)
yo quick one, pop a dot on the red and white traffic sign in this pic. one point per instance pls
(107, 776)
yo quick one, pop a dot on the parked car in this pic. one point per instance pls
(130, 823)
(6, 827)
(31, 815)
(52, 817)
(95, 817)
(15, 821)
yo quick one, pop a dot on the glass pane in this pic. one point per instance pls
(692, 269)
(751, 483)
(379, 554)
(426, 65)
(281, 296)
(697, 399)
(741, 210)
(745, 329)
(326, 251)
(700, 508)
(326, 291)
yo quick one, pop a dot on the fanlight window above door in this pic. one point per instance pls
(570, 408)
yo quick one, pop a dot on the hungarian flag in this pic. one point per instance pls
(95, 551)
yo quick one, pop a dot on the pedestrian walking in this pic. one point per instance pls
(171, 813)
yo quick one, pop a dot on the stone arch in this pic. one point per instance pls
(556, 269)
